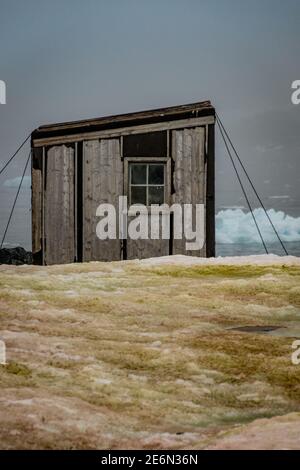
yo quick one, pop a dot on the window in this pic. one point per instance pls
(146, 183)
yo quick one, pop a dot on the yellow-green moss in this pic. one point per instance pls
(17, 369)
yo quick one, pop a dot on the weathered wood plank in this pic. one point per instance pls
(188, 150)
(59, 206)
(193, 108)
(113, 133)
(103, 183)
(36, 202)
(210, 192)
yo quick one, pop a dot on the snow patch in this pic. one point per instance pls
(259, 260)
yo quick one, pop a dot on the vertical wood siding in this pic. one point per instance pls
(140, 249)
(59, 206)
(36, 202)
(188, 153)
(55, 203)
(102, 183)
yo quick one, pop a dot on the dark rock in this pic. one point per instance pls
(15, 256)
(257, 328)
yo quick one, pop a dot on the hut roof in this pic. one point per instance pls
(184, 111)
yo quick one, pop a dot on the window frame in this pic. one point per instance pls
(147, 161)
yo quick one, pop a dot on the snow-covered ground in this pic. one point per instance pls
(257, 260)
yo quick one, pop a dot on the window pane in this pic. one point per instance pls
(138, 195)
(138, 174)
(156, 195)
(156, 174)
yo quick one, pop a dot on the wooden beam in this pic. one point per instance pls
(109, 133)
(210, 195)
(192, 108)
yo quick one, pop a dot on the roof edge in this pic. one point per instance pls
(203, 108)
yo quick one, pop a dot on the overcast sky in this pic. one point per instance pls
(72, 59)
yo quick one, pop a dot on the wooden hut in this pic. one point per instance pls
(152, 157)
